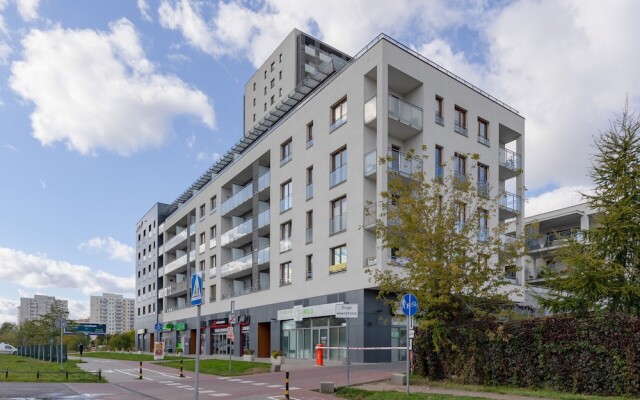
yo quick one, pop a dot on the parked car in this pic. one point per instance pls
(7, 349)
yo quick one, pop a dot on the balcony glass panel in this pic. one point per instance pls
(171, 243)
(264, 181)
(286, 159)
(286, 203)
(439, 172)
(439, 119)
(483, 189)
(510, 159)
(403, 165)
(309, 235)
(370, 215)
(406, 112)
(285, 245)
(236, 233)
(484, 140)
(309, 191)
(234, 201)
(483, 234)
(370, 110)
(338, 223)
(175, 264)
(460, 177)
(370, 163)
(192, 229)
(338, 175)
(202, 248)
(511, 202)
(237, 265)
(460, 129)
(264, 255)
(212, 243)
(213, 272)
(264, 218)
(338, 123)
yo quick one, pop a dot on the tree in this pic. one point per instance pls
(604, 266)
(41, 330)
(452, 262)
(9, 333)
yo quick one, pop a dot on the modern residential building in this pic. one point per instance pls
(113, 310)
(278, 226)
(40, 305)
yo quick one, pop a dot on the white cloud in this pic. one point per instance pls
(28, 9)
(202, 156)
(9, 311)
(191, 140)
(5, 50)
(10, 147)
(115, 249)
(62, 72)
(565, 196)
(78, 309)
(39, 272)
(143, 7)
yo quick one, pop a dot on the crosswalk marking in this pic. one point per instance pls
(274, 386)
(219, 394)
(224, 377)
(258, 383)
(165, 382)
(246, 381)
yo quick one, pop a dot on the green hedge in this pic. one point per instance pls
(599, 355)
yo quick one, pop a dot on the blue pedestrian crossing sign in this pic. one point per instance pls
(158, 327)
(196, 289)
(409, 305)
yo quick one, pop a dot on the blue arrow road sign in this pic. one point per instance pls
(409, 305)
(196, 289)
(158, 327)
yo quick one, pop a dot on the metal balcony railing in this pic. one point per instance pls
(483, 189)
(484, 140)
(511, 202)
(510, 159)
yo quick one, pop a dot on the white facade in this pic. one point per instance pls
(40, 305)
(280, 220)
(113, 310)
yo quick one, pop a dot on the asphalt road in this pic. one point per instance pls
(163, 383)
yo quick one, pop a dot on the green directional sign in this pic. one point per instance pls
(86, 328)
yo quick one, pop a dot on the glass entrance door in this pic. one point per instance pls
(320, 335)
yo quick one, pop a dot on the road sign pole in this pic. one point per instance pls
(197, 352)
(348, 361)
(60, 354)
(408, 340)
(229, 342)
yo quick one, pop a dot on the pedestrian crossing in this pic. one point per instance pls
(214, 393)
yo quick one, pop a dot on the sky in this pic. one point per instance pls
(107, 107)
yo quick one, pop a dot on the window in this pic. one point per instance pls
(439, 109)
(310, 182)
(273, 66)
(483, 225)
(280, 57)
(286, 196)
(280, 92)
(280, 75)
(285, 236)
(460, 168)
(202, 238)
(395, 158)
(309, 267)
(265, 74)
(338, 114)
(213, 232)
(285, 152)
(273, 99)
(213, 262)
(202, 211)
(212, 293)
(265, 105)
(309, 134)
(338, 167)
(254, 101)
(213, 203)
(483, 131)
(285, 274)
(439, 163)
(309, 236)
(254, 118)
(461, 210)
(338, 259)
(483, 180)
(254, 86)
(265, 90)
(138, 237)
(460, 121)
(338, 221)
(202, 264)
(273, 83)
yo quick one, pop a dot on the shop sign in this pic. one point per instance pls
(220, 321)
(220, 330)
(181, 326)
(245, 328)
(167, 327)
(321, 310)
(243, 319)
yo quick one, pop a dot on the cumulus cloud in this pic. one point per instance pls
(115, 249)
(143, 7)
(78, 309)
(5, 51)
(28, 9)
(96, 90)
(8, 311)
(40, 272)
(565, 196)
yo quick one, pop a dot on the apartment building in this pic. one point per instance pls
(113, 310)
(278, 226)
(33, 308)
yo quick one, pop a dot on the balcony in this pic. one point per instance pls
(236, 266)
(459, 178)
(285, 245)
(176, 289)
(249, 290)
(336, 268)
(338, 175)
(483, 189)
(264, 255)
(338, 224)
(458, 128)
(238, 199)
(370, 164)
(403, 165)
(510, 163)
(285, 281)
(484, 140)
(264, 218)
(439, 172)
(285, 159)
(176, 240)
(483, 234)
(286, 203)
(213, 271)
(237, 233)
(557, 238)
(202, 248)
(213, 243)
(264, 181)
(370, 217)
(309, 191)
(510, 205)
(178, 263)
(405, 119)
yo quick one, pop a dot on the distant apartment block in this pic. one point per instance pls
(280, 227)
(113, 310)
(40, 305)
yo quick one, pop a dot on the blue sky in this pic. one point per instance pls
(109, 107)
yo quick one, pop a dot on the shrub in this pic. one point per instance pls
(276, 353)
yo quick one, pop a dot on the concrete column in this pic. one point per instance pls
(382, 139)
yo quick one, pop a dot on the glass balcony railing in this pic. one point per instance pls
(285, 245)
(439, 118)
(192, 229)
(171, 243)
(370, 110)
(370, 216)
(338, 224)
(240, 197)
(264, 181)
(212, 243)
(405, 112)
(370, 163)
(439, 171)
(338, 123)
(458, 128)
(201, 248)
(175, 264)
(484, 140)
(237, 265)
(249, 290)
(483, 189)
(309, 190)
(285, 159)
(236, 233)
(264, 218)
(510, 159)
(460, 177)
(404, 165)
(309, 235)
(213, 271)
(511, 202)
(286, 203)
(264, 255)
(338, 175)
(483, 234)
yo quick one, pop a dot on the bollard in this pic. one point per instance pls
(286, 385)
(6, 374)
(319, 360)
(37, 374)
(181, 373)
(100, 374)
(140, 370)
(66, 375)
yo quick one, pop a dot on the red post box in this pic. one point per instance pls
(319, 360)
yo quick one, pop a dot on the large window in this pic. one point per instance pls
(338, 221)
(460, 121)
(309, 267)
(483, 131)
(460, 168)
(285, 273)
(286, 196)
(309, 236)
(338, 259)
(483, 225)
(483, 180)
(439, 110)
(309, 182)
(285, 236)
(202, 211)
(212, 293)
(285, 152)
(338, 167)
(439, 167)
(213, 204)
(338, 114)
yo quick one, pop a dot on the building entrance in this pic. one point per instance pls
(299, 338)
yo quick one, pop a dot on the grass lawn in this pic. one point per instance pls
(357, 394)
(124, 356)
(25, 369)
(221, 367)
